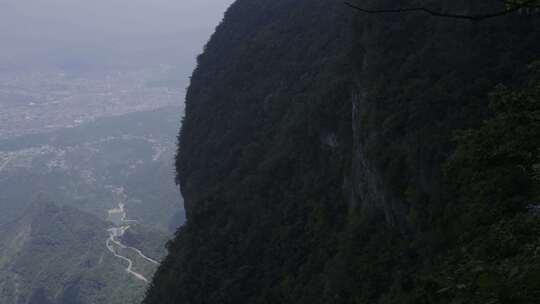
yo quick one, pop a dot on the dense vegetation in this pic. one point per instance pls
(57, 255)
(333, 158)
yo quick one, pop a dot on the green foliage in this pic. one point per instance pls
(521, 3)
(493, 175)
(498, 162)
(58, 255)
(311, 161)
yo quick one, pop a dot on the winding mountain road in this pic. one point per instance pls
(137, 251)
(129, 269)
(119, 231)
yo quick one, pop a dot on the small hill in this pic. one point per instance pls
(57, 255)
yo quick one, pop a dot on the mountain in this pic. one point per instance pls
(321, 158)
(58, 255)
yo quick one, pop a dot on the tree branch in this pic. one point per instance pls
(474, 18)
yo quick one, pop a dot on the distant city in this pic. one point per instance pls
(45, 101)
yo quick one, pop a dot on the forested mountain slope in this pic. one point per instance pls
(57, 255)
(320, 159)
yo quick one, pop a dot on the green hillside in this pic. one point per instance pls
(57, 255)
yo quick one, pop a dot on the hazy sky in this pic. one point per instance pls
(94, 31)
(123, 15)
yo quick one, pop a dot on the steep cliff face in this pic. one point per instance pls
(311, 150)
